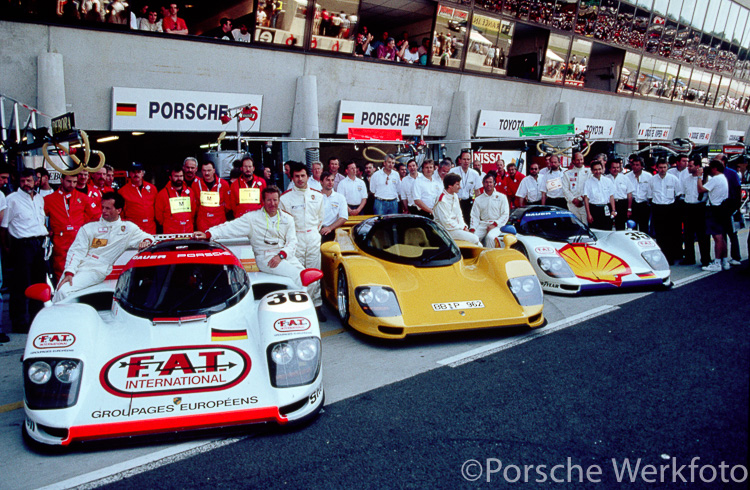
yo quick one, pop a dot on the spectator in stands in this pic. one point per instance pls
(225, 30)
(151, 22)
(389, 52)
(362, 44)
(380, 42)
(411, 55)
(242, 34)
(173, 24)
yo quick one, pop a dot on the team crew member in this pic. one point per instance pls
(271, 235)
(334, 206)
(680, 167)
(510, 183)
(574, 180)
(470, 183)
(95, 197)
(98, 181)
(407, 188)
(598, 199)
(315, 181)
(98, 245)
(175, 205)
(695, 218)
(140, 199)
(189, 171)
(306, 207)
(641, 213)
(68, 210)
(448, 211)
(718, 219)
(623, 193)
(551, 184)
(212, 195)
(353, 189)
(333, 167)
(245, 191)
(42, 185)
(385, 185)
(666, 221)
(489, 213)
(23, 230)
(109, 177)
(427, 189)
(529, 192)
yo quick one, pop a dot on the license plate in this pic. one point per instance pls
(457, 305)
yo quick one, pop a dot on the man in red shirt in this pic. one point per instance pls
(98, 181)
(212, 194)
(509, 184)
(173, 24)
(189, 171)
(245, 192)
(68, 210)
(95, 197)
(175, 205)
(140, 198)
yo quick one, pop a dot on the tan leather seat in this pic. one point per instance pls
(416, 237)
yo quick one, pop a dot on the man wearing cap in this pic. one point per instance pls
(140, 198)
(212, 194)
(175, 205)
(245, 192)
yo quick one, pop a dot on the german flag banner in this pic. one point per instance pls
(126, 109)
(347, 117)
(223, 335)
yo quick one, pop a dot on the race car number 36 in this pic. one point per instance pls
(457, 305)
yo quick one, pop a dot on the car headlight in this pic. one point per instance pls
(555, 267)
(526, 289)
(377, 301)
(52, 383)
(294, 362)
(656, 260)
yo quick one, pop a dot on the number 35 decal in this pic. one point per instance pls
(280, 298)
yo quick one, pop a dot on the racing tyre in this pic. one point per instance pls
(342, 296)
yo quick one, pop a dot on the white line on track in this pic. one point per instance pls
(474, 354)
(693, 278)
(148, 462)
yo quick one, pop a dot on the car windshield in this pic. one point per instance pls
(407, 240)
(181, 289)
(556, 226)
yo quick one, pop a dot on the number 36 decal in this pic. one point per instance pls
(281, 298)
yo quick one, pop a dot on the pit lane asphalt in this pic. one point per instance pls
(664, 376)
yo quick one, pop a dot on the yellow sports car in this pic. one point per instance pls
(393, 276)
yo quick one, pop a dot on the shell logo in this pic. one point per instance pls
(594, 264)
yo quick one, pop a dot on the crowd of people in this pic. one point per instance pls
(90, 223)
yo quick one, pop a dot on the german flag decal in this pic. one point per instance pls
(646, 275)
(125, 109)
(594, 264)
(347, 117)
(222, 335)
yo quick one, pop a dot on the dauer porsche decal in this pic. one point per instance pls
(175, 370)
(594, 264)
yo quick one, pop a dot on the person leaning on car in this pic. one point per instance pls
(271, 235)
(97, 245)
(448, 213)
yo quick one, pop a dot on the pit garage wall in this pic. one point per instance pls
(94, 61)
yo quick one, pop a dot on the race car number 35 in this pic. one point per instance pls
(457, 305)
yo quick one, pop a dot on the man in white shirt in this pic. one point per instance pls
(680, 167)
(489, 213)
(448, 211)
(641, 213)
(427, 190)
(23, 233)
(353, 189)
(574, 180)
(551, 185)
(407, 188)
(333, 167)
(529, 192)
(334, 207)
(385, 185)
(623, 192)
(718, 219)
(665, 189)
(598, 199)
(694, 217)
(470, 183)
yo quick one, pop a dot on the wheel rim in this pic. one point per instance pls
(341, 295)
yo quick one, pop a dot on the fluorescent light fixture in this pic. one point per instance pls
(137, 133)
(108, 138)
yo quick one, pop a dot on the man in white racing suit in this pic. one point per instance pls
(448, 213)
(271, 235)
(98, 245)
(306, 207)
(489, 213)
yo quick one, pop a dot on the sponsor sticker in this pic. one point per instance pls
(297, 324)
(545, 251)
(646, 243)
(57, 340)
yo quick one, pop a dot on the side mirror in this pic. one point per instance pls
(309, 276)
(508, 229)
(332, 248)
(509, 240)
(630, 224)
(39, 292)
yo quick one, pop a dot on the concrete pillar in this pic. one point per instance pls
(721, 135)
(682, 130)
(629, 132)
(459, 125)
(561, 114)
(50, 86)
(304, 117)
(747, 135)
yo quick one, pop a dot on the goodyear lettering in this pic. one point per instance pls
(189, 111)
(385, 119)
(510, 125)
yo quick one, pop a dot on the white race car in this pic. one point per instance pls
(184, 339)
(570, 258)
